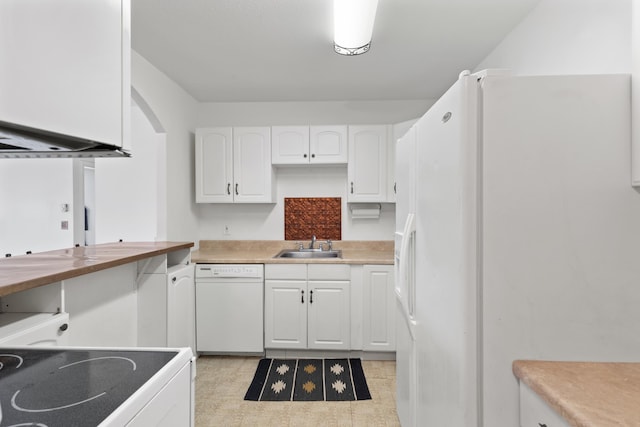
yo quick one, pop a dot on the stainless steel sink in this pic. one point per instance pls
(307, 253)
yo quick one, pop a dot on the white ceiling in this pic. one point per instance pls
(281, 50)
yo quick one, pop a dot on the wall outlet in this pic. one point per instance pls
(64, 225)
(227, 231)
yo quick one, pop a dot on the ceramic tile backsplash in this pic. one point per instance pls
(308, 216)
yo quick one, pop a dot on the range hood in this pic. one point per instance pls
(17, 141)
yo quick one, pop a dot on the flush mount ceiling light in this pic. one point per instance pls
(353, 25)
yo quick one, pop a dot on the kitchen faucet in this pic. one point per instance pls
(313, 241)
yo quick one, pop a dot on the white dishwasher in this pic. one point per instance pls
(229, 308)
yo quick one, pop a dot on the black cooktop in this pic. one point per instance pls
(49, 387)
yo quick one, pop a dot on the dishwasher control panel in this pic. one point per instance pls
(229, 271)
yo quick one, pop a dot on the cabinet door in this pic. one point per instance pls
(66, 67)
(367, 170)
(290, 145)
(328, 144)
(252, 171)
(214, 165)
(328, 315)
(181, 314)
(391, 165)
(285, 314)
(399, 158)
(379, 308)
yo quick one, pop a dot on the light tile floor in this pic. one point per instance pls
(222, 381)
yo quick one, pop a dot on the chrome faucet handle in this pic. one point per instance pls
(321, 247)
(300, 246)
(330, 243)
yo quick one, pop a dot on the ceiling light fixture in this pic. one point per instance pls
(353, 25)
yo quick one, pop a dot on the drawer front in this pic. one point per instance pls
(329, 272)
(285, 271)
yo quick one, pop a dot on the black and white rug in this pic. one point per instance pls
(308, 380)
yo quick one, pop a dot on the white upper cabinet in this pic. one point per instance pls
(396, 132)
(391, 165)
(290, 145)
(66, 67)
(367, 170)
(234, 165)
(328, 144)
(252, 172)
(303, 145)
(214, 165)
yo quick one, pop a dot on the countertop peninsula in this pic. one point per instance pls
(24, 272)
(586, 394)
(263, 252)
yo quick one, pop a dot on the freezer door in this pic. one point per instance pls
(445, 294)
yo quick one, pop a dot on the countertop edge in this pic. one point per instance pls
(140, 250)
(519, 368)
(352, 261)
(585, 393)
(354, 252)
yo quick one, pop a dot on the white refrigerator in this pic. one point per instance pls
(525, 241)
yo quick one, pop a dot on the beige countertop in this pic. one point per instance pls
(586, 394)
(263, 252)
(24, 272)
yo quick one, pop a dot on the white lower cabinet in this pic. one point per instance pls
(37, 329)
(534, 412)
(307, 306)
(379, 310)
(328, 315)
(165, 304)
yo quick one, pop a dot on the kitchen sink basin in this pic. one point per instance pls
(292, 253)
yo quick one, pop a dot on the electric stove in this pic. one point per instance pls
(54, 386)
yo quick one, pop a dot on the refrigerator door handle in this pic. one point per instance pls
(409, 228)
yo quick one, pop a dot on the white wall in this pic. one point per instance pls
(309, 113)
(267, 221)
(177, 112)
(635, 92)
(568, 37)
(127, 189)
(32, 192)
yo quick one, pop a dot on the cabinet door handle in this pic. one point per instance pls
(351, 187)
(395, 191)
(313, 156)
(237, 189)
(305, 155)
(310, 297)
(228, 188)
(302, 298)
(542, 425)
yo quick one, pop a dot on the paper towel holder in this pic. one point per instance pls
(365, 210)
